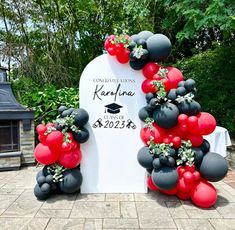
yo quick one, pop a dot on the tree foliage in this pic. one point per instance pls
(51, 41)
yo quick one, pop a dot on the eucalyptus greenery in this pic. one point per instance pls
(138, 51)
(188, 98)
(161, 92)
(185, 153)
(159, 149)
(56, 171)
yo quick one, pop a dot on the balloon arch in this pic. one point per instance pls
(177, 158)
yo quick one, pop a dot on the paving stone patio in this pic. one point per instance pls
(19, 209)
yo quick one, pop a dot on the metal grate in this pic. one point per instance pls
(9, 136)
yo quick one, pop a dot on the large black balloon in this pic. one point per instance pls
(145, 34)
(81, 136)
(72, 181)
(144, 113)
(189, 108)
(205, 146)
(144, 158)
(165, 178)
(81, 117)
(159, 47)
(40, 173)
(213, 167)
(39, 193)
(166, 115)
(138, 64)
(198, 154)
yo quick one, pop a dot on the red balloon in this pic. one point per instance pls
(196, 175)
(182, 119)
(45, 155)
(108, 42)
(156, 132)
(204, 194)
(111, 51)
(50, 124)
(206, 123)
(70, 159)
(123, 57)
(66, 147)
(41, 129)
(42, 138)
(157, 77)
(192, 122)
(176, 142)
(190, 168)
(196, 140)
(151, 185)
(148, 87)
(184, 186)
(119, 48)
(183, 196)
(188, 177)
(175, 76)
(180, 170)
(166, 140)
(170, 192)
(54, 139)
(150, 69)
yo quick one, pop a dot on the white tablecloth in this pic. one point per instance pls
(219, 140)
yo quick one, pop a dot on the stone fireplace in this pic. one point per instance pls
(16, 129)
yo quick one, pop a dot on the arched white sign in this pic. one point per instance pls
(111, 94)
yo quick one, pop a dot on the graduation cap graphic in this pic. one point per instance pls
(113, 108)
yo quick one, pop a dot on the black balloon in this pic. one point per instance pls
(165, 178)
(39, 193)
(156, 163)
(138, 64)
(132, 45)
(166, 115)
(135, 37)
(213, 167)
(142, 42)
(62, 108)
(145, 34)
(172, 94)
(81, 117)
(181, 84)
(163, 159)
(205, 146)
(149, 171)
(191, 108)
(181, 91)
(189, 84)
(72, 181)
(144, 113)
(41, 180)
(46, 188)
(159, 47)
(81, 136)
(145, 158)
(40, 173)
(65, 113)
(45, 170)
(153, 103)
(198, 155)
(171, 161)
(172, 153)
(149, 96)
(49, 179)
(145, 54)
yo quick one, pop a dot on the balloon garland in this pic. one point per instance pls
(175, 155)
(59, 152)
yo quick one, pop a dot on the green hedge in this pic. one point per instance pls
(45, 101)
(214, 73)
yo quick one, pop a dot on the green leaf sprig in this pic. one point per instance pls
(186, 154)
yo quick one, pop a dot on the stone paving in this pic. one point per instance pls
(19, 209)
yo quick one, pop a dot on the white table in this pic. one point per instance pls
(219, 140)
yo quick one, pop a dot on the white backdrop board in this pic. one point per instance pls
(111, 94)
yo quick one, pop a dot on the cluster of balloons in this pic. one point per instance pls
(138, 49)
(59, 150)
(175, 155)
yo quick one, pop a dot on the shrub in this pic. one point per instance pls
(45, 101)
(214, 73)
